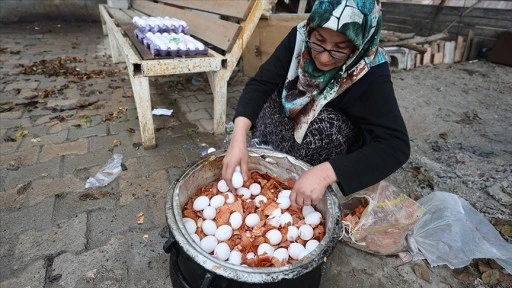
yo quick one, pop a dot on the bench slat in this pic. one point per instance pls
(217, 32)
(233, 8)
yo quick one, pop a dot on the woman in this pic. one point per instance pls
(325, 96)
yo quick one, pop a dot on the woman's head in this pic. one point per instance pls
(345, 26)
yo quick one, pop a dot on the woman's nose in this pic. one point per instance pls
(324, 56)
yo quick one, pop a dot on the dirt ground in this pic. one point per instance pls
(459, 119)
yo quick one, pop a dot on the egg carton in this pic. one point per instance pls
(160, 24)
(171, 44)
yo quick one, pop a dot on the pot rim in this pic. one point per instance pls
(250, 274)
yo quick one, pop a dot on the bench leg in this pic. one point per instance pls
(140, 86)
(219, 84)
(117, 56)
(103, 25)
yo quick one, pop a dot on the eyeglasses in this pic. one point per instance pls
(336, 54)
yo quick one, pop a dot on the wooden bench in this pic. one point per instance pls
(225, 30)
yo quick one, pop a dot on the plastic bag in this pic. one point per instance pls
(107, 173)
(385, 221)
(452, 232)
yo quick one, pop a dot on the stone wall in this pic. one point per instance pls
(38, 10)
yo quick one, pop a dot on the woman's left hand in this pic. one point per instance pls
(311, 185)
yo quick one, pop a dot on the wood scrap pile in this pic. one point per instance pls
(424, 50)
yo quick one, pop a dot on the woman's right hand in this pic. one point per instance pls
(237, 154)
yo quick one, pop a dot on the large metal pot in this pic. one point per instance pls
(209, 169)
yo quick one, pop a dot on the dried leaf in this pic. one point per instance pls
(93, 195)
(116, 142)
(20, 134)
(145, 237)
(140, 218)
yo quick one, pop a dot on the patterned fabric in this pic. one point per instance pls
(329, 134)
(308, 89)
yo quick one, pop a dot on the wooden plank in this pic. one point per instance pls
(416, 40)
(217, 32)
(427, 56)
(469, 42)
(302, 6)
(438, 52)
(459, 49)
(231, 8)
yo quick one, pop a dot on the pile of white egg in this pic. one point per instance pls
(215, 236)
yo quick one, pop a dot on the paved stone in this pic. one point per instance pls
(28, 173)
(137, 188)
(25, 157)
(65, 237)
(76, 147)
(22, 84)
(106, 223)
(16, 124)
(11, 115)
(19, 220)
(32, 276)
(38, 190)
(91, 159)
(42, 139)
(101, 267)
(199, 114)
(148, 263)
(9, 147)
(84, 132)
(69, 204)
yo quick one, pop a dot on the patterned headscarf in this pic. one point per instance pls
(308, 89)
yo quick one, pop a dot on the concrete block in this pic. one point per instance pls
(65, 237)
(70, 204)
(12, 222)
(132, 189)
(84, 131)
(32, 276)
(21, 158)
(76, 147)
(28, 173)
(101, 267)
(106, 223)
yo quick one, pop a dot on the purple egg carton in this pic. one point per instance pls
(156, 50)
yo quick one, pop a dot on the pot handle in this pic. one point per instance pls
(170, 246)
(208, 279)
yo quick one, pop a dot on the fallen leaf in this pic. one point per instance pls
(464, 274)
(130, 130)
(140, 218)
(443, 135)
(491, 277)
(422, 272)
(9, 139)
(21, 134)
(93, 195)
(116, 142)
(145, 237)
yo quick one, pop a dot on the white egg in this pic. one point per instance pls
(231, 198)
(281, 254)
(208, 243)
(244, 192)
(252, 220)
(237, 169)
(303, 253)
(250, 255)
(209, 213)
(235, 219)
(255, 188)
(306, 210)
(284, 194)
(295, 249)
(265, 248)
(284, 203)
(190, 225)
(200, 203)
(196, 239)
(235, 257)
(313, 218)
(311, 244)
(217, 201)
(222, 186)
(293, 233)
(258, 200)
(222, 251)
(209, 227)
(274, 236)
(224, 232)
(237, 180)
(210, 150)
(305, 232)
(286, 219)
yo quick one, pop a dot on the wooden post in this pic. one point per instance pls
(459, 49)
(219, 84)
(469, 45)
(438, 54)
(427, 55)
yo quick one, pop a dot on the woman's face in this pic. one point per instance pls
(330, 40)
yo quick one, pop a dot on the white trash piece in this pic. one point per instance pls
(107, 173)
(161, 111)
